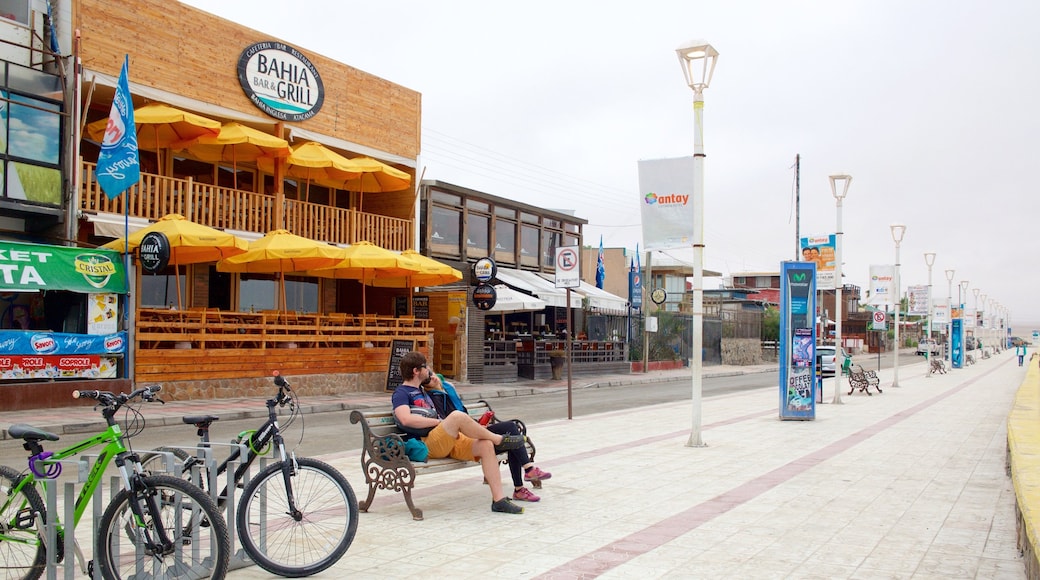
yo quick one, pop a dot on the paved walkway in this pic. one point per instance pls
(910, 483)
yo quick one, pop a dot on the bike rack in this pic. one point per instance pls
(170, 465)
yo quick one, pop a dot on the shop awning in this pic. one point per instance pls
(599, 299)
(540, 287)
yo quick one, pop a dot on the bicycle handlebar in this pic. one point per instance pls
(110, 399)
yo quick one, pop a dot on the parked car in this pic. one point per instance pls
(825, 359)
(927, 345)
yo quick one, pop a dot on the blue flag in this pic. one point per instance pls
(118, 166)
(601, 272)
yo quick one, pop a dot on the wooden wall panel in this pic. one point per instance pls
(180, 49)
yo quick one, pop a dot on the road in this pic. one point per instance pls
(322, 433)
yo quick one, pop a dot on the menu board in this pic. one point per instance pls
(398, 348)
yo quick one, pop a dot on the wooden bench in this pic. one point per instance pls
(385, 464)
(862, 379)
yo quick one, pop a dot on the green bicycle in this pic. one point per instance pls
(142, 533)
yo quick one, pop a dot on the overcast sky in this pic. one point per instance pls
(929, 105)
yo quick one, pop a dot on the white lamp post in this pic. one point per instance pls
(897, 236)
(982, 319)
(839, 189)
(975, 321)
(697, 59)
(949, 316)
(962, 292)
(929, 260)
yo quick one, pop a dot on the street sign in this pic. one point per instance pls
(567, 274)
(879, 321)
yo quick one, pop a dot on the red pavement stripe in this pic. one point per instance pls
(604, 559)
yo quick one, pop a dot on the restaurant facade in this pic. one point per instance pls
(200, 329)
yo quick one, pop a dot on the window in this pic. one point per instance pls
(30, 133)
(445, 230)
(257, 292)
(159, 290)
(301, 294)
(529, 245)
(477, 235)
(505, 241)
(763, 282)
(17, 10)
(550, 240)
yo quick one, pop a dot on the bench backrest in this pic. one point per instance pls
(381, 423)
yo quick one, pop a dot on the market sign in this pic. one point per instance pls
(280, 81)
(35, 267)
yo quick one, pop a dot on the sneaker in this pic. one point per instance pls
(535, 474)
(509, 442)
(505, 506)
(524, 494)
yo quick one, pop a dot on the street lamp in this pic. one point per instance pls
(839, 189)
(962, 292)
(897, 236)
(949, 315)
(975, 321)
(929, 260)
(697, 59)
(982, 318)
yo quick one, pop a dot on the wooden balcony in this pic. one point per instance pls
(225, 208)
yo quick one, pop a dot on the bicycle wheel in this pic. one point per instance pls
(183, 536)
(154, 462)
(21, 551)
(305, 543)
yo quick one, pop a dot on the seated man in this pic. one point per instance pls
(457, 435)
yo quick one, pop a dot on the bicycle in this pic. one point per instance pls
(141, 533)
(297, 516)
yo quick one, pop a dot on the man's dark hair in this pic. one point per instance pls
(409, 362)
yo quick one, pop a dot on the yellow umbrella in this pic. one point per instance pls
(190, 243)
(428, 272)
(375, 177)
(159, 125)
(363, 261)
(313, 161)
(234, 143)
(280, 251)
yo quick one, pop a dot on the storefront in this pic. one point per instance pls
(60, 322)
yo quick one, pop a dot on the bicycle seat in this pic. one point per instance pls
(200, 420)
(30, 433)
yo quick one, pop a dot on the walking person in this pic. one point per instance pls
(1020, 350)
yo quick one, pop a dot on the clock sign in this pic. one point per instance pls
(658, 296)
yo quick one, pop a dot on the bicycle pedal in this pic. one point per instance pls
(25, 519)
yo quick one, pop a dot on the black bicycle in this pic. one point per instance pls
(297, 516)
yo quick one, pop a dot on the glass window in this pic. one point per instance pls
(159, 291)
(550, 240)
(505, 241)
(257, 292)
(475, 205)
(528, 218)
(477, 234)
(445, 234)
(529, 245)
(572, 241)
(505, 212)
(301, 294)
(446, 198)
(763, 282)
(17, 10)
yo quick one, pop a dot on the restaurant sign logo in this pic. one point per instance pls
(154, 252)
(484, 296)
(280, 81)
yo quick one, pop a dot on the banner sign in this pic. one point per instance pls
(941, 314)
(957, 343)
(666, 202)
(34, 267)
(88, 366)
(918, 300)
(882, 285)
(797, 340)
(60, 343)
(635, 289)
(820, 250)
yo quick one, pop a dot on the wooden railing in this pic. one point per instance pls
(225, 208)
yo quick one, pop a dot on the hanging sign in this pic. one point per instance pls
(484, 270)
(485, 296)
(34, 267)
(280, 81)
(154, 252)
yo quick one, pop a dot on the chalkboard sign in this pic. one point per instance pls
(421, 307)
(398, 349)
(400, 306)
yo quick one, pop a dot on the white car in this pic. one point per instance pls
(825, 359)
(927, 345)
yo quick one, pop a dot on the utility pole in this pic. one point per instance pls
(797, 207)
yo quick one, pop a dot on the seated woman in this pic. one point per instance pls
(521, 468)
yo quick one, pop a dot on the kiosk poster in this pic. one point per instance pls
(957, 342)
(101, 313)
(797, 340)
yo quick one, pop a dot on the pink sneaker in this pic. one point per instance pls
(535, 474)
(524, 494)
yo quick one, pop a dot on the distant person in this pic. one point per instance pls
(1020, 350)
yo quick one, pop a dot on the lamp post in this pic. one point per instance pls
(839, 189)
(949, 316)
(985, 327)
(929, 260)
(975, 321)
(962, 292)
(697, 59)
(897, 236)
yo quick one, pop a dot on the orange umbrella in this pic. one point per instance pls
(234, 143)
(313, 161)
(363, 261)
(375, 177)
(159, 125)
(280, 251)
(190, 243)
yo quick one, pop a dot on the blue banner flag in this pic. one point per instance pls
(118, 166)
(601, 272)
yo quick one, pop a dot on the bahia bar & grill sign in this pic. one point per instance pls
(281, 81)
